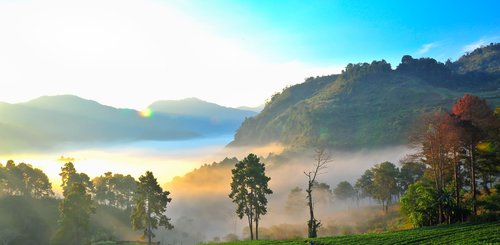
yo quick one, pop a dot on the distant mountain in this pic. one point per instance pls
(194, 107)
(52, 121)
(371, 105)
(255, 109)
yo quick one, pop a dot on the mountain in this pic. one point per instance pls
(370, 104)
(194, 107)
(255, 109)
(52, 121)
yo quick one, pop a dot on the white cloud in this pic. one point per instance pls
(477, 44)
(129, 53)
(426, 47)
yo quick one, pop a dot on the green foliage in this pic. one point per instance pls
(365, 184)
(116, 190)
(419, 203)
(385, 182)
(75, 209)
(150, 206)
(368, 105)
(27, 221)
(24, 180)
(410, 172)
(482, 233)
(485, 59)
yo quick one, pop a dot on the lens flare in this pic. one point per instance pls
(146, 113)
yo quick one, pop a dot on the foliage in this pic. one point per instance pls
(385, 182)
(75, 209)
(409, 173)
(24, 180)
(116, 190)
(344, 191)
(419, 203)
(150, 206)
(368, 105)
(249, 188)
(482, 233)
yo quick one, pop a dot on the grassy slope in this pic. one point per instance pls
(486, 233)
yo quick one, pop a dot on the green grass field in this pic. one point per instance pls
(485, 233)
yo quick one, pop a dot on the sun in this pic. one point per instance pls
(146, 112)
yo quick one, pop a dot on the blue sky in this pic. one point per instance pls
(326, 32)
(130, 53)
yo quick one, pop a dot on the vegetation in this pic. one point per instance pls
(486, 233)
(150, 204)
(249, 188)
(369, 104)
(75, 209)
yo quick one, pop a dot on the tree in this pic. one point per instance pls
(420, 203)
(321, 160)
(410, 172)
(150, 206)
(116, 190)
(23, 179)
(365, 184)
(70, 176)
(344, 191)
(385, 182)
(249, 188)
(74, 209)
(478, 119)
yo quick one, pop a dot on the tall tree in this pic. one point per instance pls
(74, 209)
(249, 188)
(478, 120)
(385, 181)
(322, 158)
(365, 184)
(150, 206)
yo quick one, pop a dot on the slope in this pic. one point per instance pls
(367, 105)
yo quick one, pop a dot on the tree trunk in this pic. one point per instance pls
(257, 229)
(457, 185)
(473, 179)
(311, 225)
(250, 225)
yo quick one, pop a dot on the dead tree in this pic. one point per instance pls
(322, 158)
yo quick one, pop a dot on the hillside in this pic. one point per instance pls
(487, 233)
(52, 121)
(368, 104)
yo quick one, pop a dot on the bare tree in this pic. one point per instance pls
(322, 158)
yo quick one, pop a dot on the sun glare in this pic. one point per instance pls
(146, 112)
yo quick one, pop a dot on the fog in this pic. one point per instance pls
(201, 209)
(201, 197)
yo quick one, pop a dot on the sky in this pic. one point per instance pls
(130, 53)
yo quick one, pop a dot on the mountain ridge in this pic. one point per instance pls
(368, 105)
(47, 122)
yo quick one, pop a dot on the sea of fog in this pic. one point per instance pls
(166, 159)
(209, 214)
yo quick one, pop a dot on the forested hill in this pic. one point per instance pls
(371, 105)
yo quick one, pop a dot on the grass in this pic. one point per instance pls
(484, 233)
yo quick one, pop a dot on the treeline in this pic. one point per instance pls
(140, 203)
(461, 150)
(472, 69)
(454, 176)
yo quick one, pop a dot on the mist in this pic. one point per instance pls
(201, 200)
